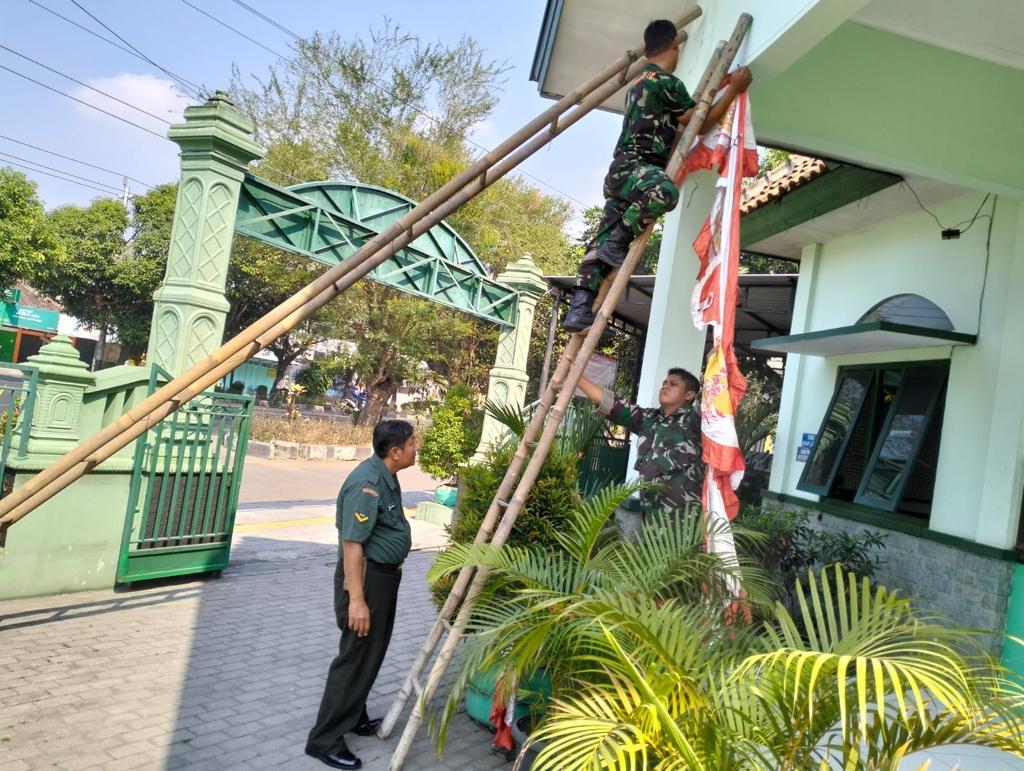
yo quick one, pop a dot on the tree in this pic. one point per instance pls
(27, 244)
(104, 279)
(86, 283)
(393, 111)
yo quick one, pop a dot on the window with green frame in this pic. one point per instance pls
(878, 444)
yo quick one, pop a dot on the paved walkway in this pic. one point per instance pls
(210, 674)
(216, 673)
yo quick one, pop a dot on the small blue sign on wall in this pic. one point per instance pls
(808, 441)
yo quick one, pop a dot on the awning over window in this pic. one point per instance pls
(865, 337)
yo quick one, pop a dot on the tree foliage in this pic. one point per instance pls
(392, 110)
(28, 246)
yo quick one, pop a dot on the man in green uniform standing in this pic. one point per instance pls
(374, 539)
(669, 454)
(637, 190)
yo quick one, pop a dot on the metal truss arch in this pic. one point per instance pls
(329, 221)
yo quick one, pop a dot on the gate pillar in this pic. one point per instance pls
(508, 378)
(190, 307)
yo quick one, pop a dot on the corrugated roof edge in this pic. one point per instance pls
(545, 42)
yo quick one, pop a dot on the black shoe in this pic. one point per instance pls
(580, 315)
(339, 757)
(613, 251)
(368, 727)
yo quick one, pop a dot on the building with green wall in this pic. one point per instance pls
(902, 409)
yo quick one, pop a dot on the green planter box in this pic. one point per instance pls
(480, 695)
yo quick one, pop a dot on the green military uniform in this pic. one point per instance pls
(637, 191)
(370, 512)
(669, 453)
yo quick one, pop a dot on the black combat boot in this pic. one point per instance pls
(580, 315)
(613, 251)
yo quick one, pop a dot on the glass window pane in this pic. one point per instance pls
(904, 429)
(835, 431)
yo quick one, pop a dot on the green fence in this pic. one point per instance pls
(184, 489)
(17, 399)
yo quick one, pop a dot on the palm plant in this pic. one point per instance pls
(539, 608)
(868, 683)
(645, 674)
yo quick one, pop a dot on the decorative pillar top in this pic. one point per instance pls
(524, 276)
(216, 127)
(59, 360)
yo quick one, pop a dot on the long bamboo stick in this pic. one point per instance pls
(505, 489)
(504, 492)
(578, 356)
(462, 188)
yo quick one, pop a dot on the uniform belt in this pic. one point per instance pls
(385, 565)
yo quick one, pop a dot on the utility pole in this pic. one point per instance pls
(101, 341)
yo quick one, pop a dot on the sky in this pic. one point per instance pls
(194, 47)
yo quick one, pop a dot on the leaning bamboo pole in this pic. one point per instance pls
(469, 183)
(502, 496)
(570, 367)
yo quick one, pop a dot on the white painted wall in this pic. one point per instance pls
(981, 461)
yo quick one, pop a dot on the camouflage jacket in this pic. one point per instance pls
(669, 453)
(653, 107)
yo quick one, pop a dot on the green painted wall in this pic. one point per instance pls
(1013, 652)
(981, 461)
(68, 544)
(906, 107)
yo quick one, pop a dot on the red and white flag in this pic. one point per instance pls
(731, 150)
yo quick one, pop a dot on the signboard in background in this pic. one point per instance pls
(803, 452)
(23, 317)
(600, 370)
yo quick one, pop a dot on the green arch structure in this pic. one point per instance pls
(328, 221)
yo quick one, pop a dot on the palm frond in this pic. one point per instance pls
(584, 530)
(512, 417)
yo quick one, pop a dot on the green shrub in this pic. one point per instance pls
(552, 501)
(453, 435)
(314, 379)
(789, 547)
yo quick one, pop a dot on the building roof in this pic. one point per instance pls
(796, 171)
(32, 298)
(765, 308)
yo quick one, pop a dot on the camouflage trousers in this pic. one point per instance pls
(636, 195)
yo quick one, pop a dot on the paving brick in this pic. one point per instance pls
(203, 674)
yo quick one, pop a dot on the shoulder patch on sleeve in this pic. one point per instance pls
(361, 517)
(370, 491)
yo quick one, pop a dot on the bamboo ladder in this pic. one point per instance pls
(534, 135)
(532, 451)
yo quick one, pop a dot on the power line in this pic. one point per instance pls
(380, 88)
(80, 101)
(56, 176)
(76, 160)
(183, 83)
(86, 85)
(61, 171)
(211, 17)
(95, 34)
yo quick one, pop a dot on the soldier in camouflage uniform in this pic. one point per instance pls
(669, 454)
(637, 190)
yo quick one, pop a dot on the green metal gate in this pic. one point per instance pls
(184, 489)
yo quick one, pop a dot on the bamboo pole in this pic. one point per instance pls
(574, 359)
(495, 164)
